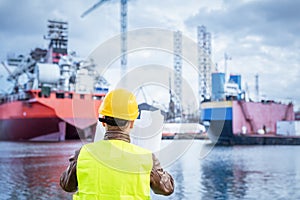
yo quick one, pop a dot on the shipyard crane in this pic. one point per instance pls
(123, 30)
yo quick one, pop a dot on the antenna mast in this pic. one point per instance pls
(257, 87)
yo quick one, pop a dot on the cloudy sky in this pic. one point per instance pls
(261, 37)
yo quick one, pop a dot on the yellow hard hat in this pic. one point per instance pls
(121, 104)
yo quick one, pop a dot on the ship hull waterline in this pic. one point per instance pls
(227, 138)
(42, 129)
(247, 123)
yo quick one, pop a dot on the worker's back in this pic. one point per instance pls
(113, 169)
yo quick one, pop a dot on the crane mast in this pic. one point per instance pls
(123, 39)
(123, 36)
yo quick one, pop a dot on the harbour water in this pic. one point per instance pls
(31, 170)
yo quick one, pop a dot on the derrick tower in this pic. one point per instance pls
(178, 71)
(204, 63)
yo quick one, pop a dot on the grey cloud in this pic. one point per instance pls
(20, 17)
(276, 22)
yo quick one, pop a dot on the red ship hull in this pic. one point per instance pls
(57, 117)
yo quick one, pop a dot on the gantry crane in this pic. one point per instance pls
(123, 30)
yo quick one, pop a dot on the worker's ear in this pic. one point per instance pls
(131, 124)
(103, 124)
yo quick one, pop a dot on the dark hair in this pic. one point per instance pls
(113, 121)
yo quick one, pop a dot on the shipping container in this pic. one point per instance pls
(286, 128)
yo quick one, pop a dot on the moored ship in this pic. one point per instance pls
(58, 99)
(233, 120)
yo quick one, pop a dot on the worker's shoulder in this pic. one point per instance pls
(120, 144)
(140, 149)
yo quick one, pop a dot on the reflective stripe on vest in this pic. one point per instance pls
(113, 169)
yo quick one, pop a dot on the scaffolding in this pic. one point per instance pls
(58, 36)
(178, 71)
(123, 37)
(204, 63)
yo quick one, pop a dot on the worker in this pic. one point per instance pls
(113, 168)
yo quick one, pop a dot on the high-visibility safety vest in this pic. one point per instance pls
(113, 169)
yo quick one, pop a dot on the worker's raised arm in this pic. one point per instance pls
(68, 179)
(161, 182)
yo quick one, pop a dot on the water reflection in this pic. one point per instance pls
(178, 178)
(32, 171)
(222, 178)
(251, 172)
(186, 172)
